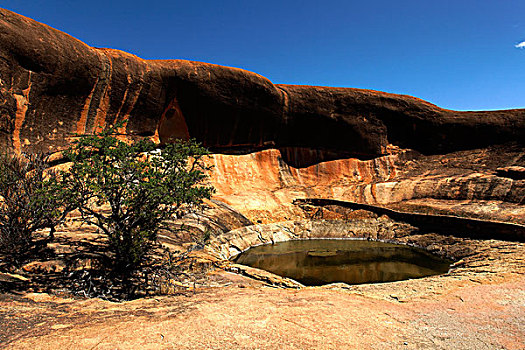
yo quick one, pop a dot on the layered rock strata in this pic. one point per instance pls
(443, 224)
(465, 183)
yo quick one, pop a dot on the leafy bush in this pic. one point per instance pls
(30, 200)
(129, 190)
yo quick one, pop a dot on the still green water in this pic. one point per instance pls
(321, 261)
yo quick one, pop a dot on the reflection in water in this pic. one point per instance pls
(321, 261)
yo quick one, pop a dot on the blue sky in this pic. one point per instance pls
(458, 54)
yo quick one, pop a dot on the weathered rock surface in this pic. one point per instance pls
(472, 310)
(262, 186)
(53, 85)
(478, 305)
(274, 144)
(234, 242)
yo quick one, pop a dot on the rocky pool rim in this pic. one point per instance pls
(449, 261)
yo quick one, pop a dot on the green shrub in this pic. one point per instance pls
(30, 200)
(129, 190)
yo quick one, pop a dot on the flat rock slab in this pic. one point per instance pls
(482, 313)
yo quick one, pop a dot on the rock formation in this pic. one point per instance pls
(53, 85)
(408, 164)
(272, 143)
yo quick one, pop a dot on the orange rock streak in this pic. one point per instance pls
(22, 104)
(82, 122)
(262, 182)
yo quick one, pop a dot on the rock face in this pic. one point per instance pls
(272, 143)
(464, 183)
(53, 85)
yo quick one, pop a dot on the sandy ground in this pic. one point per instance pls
(484, 312)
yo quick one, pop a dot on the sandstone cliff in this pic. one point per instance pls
(53, 85)
(272, 143)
